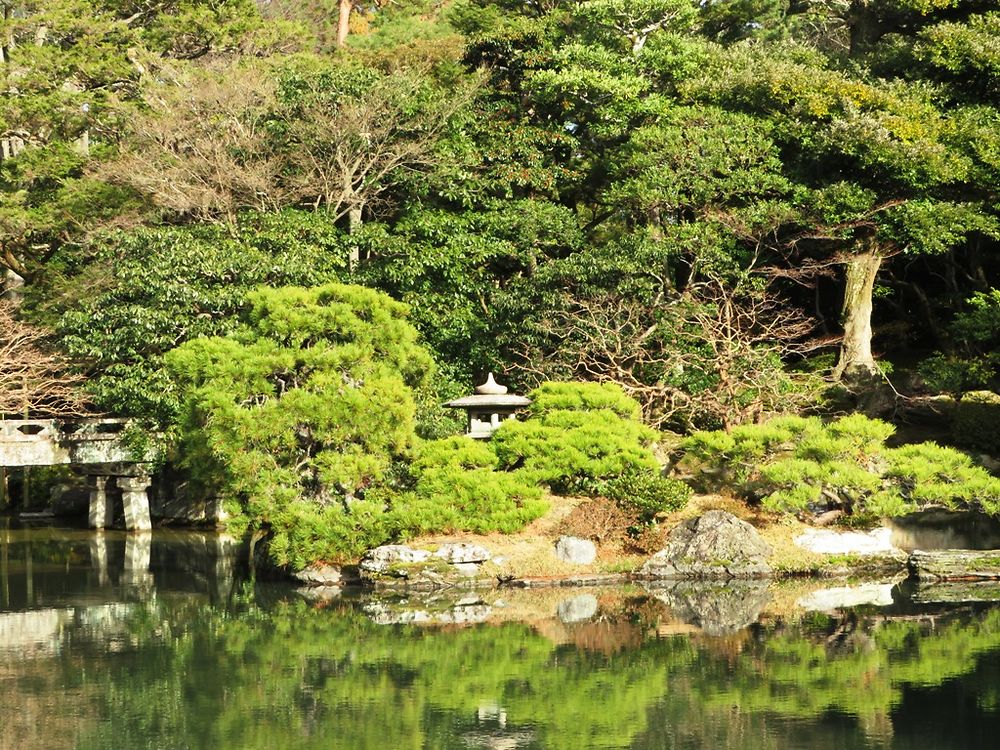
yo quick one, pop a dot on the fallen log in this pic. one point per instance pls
(955, 565)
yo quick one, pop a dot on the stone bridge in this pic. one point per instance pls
(95, 446)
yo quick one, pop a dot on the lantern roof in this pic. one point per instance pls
(489, 394)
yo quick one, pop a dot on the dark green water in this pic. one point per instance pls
(107, 642)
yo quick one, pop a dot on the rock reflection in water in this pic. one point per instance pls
(715, 607)
(525, 669)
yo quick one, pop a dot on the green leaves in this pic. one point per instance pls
(305, 407)
(579, 433)
(796, 464)
(148, 291)
(964, 54)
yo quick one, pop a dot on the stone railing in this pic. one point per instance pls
(51, 442)
(94, 445)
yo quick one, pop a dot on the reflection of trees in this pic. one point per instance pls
(293, 676)
(851, 667)
(298, 677)
(39, 711)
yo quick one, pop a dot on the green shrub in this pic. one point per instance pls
(975, 362)
(455, 452)
(477, 500)
(578, 434)
(583, 397)
(929, 474)
(735, 456)
(149, 290)
(300, 412)
(795, 464)
(646, 493)
(457, 488)
(949, 374)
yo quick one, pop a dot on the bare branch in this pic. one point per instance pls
(33, 379)
(710, 356)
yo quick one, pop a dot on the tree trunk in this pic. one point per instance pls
(344, 22)
(864, 27)
(13, 286)
(856, 349)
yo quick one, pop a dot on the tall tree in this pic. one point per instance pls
(884, 160)
(72, 72)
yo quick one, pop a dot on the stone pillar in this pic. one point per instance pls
(136, 502)
(99, 557)
(137, 553)
(222, 576)
(101, 514)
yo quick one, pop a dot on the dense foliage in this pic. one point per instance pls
(973, 359)
(801, 463)
(577, 434)
(148, 291)
(305, 407)
(714, 208)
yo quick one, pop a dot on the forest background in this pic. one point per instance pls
(211, 210)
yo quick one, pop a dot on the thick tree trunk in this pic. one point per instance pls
(856, 349)
(13, 286)
(864, 27)
(344, 22)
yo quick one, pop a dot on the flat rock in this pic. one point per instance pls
(716, 544)
(578, 608)
(572, 549)
(383, 613)
(468, 569)
(947, 592)
(830, 542)
(380, 559)
(955, 564)
(319, 594)
(458, 553)
(320, 575)
(842, 597)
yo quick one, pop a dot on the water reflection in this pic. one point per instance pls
(158, 643)
(55, 580)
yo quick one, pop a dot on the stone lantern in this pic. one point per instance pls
(488, 407)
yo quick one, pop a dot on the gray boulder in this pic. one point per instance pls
(578, 608)
(320, 575)
(572, 549)
(459, 553)
(714, 545)
(380, 559)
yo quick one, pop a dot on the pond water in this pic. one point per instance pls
(110, 641)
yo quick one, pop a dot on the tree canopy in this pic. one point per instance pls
(722, 208)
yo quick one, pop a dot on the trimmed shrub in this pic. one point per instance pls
(646, 493)
(457, 488)
(578, 434)
(795, 464)
(550, 397)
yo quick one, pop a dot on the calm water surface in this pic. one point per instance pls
(116, 642)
